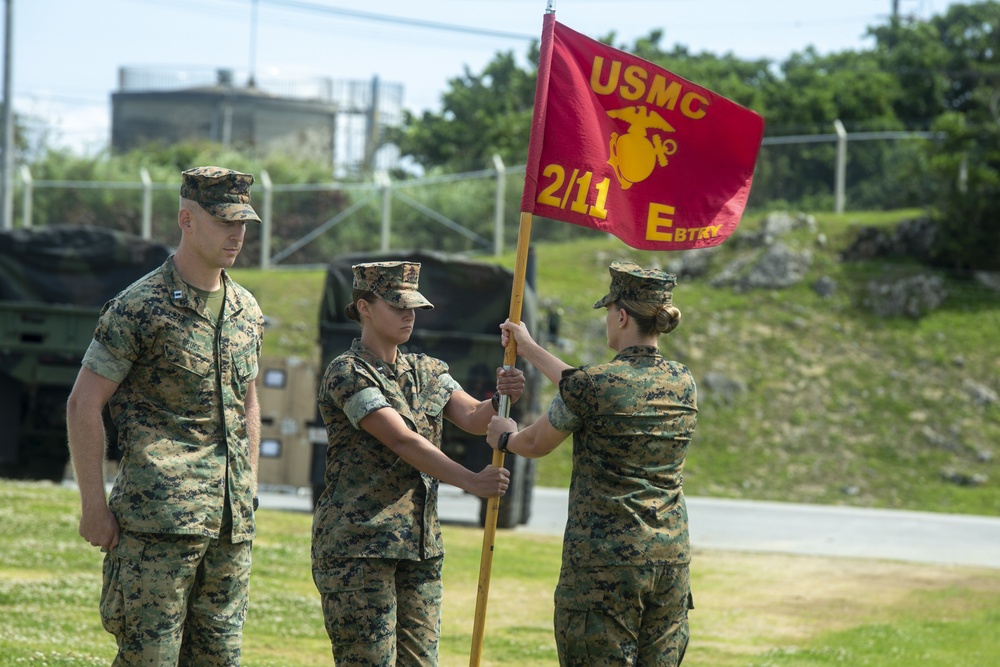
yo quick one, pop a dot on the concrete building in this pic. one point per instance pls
(337, 121)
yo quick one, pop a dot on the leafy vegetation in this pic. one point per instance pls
(750, 609)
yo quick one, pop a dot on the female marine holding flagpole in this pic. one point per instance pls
(377, 552)
(624, 588)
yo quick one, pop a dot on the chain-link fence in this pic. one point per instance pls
(474, 212)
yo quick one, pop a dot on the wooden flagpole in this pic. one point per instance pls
(493, 504)
(516, 299)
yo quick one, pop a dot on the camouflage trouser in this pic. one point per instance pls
(623, 615)
(176, 600)
(381, 612)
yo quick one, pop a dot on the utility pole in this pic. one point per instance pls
(7, 164)
(894, 25)
(252, 80)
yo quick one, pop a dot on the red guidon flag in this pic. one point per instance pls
(624, 146)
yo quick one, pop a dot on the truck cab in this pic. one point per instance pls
(54, 280)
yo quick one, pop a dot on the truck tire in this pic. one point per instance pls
(528, 489)
(43, 458)
(43, 452)
(512, 504)
(10, 417)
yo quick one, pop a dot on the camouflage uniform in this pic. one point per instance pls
(377, 550)
(624, 589)
(176, 587)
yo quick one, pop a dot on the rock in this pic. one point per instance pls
(825, 286)
(777, 266)
(914, 296)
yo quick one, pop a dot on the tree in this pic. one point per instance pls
(745, 82)
(491, 112)
(481, 115)
(953, 65)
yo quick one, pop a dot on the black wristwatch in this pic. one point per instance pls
(256, 503)
(495, 400)
(502, 442)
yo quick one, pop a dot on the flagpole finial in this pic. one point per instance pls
(550, 7)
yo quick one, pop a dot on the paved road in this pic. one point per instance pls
(742, 525)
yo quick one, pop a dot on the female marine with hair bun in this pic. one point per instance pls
(624, 589)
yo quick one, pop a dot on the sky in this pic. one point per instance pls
(66, 54)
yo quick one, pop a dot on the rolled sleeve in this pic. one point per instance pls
(363, 403)
(102, 361)
(561, 417)
(450, 383)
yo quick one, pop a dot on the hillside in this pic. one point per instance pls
(803, 397)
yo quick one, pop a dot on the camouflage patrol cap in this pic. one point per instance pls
(393, 282)
(224, 193)
(631, 282)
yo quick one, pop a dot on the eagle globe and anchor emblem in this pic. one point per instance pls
(633, 154)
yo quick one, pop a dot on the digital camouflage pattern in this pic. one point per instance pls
(623, 590)
(623, 615)
(472, 299)
(224, 193)
(376, 505)
(152, 624)
(393, 282)
(631, 282)
(178, 457)
(381, 612)
(632, 419)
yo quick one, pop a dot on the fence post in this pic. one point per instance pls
(29, 186)
(147, 204)
(841, 176)
(7, 166)
(498, 206)
(385, 184)
(265, 220)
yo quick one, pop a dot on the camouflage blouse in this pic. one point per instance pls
(376, 505)
(632, 420)
(180, 410)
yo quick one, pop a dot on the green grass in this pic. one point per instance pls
(290, 299)
(907, 641)
(902, 645)
(839, 407)
(751, 609)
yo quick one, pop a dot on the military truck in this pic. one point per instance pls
(471, 298)
(53, 282)
(286, 390)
